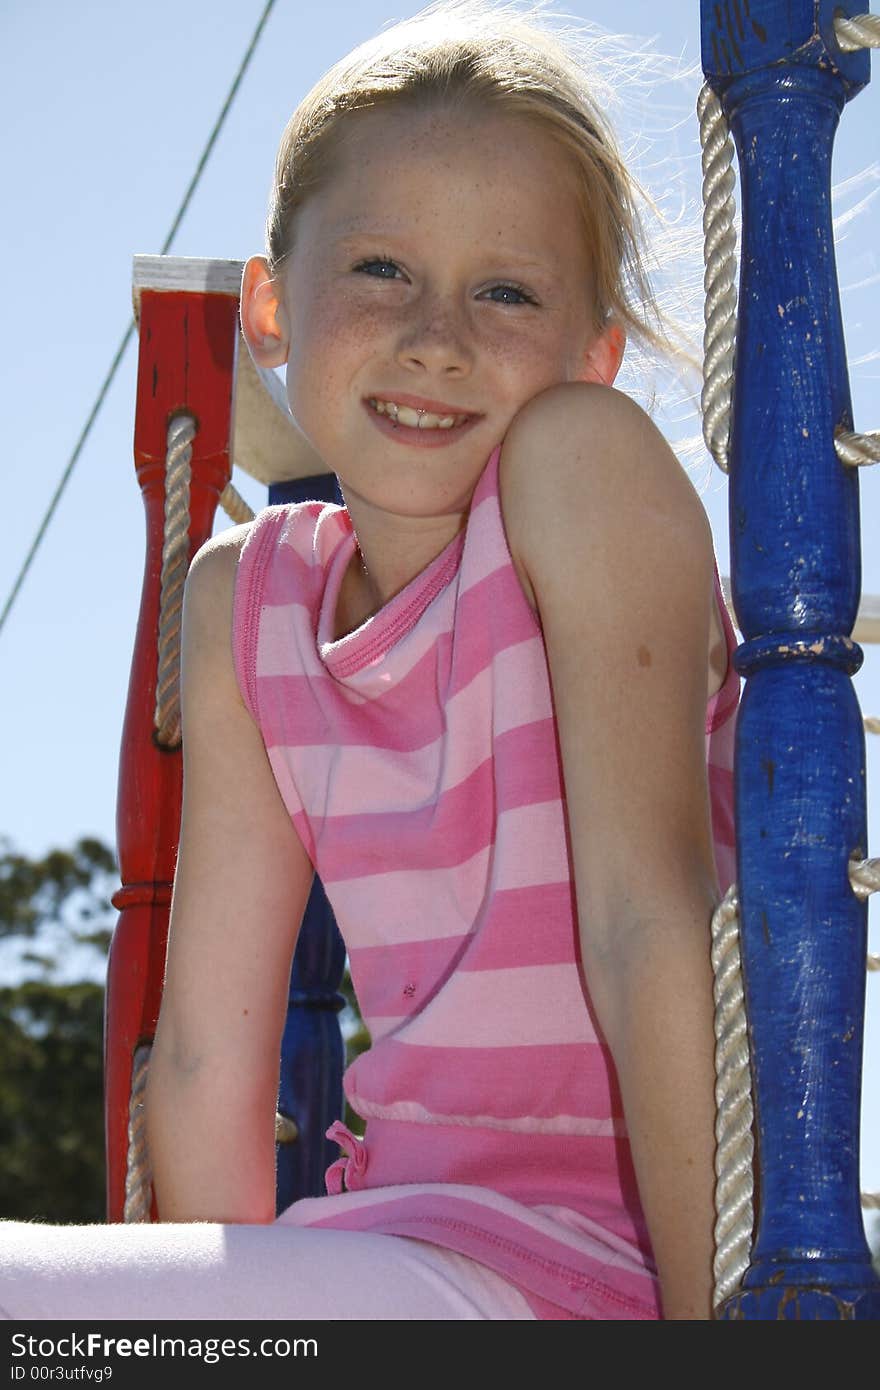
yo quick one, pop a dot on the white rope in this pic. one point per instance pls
(138, 1176)
(286, 1131)
(857, 450)
(175, 563)
(864, 875)
(733, 1098)
(719, 278)
(235, 506)
(862, 31)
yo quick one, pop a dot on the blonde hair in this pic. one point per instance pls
(475, 52)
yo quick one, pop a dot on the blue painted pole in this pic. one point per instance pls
(312, 1050)
(796, 575)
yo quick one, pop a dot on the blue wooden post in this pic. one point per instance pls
(800, 762)
(312, 1051)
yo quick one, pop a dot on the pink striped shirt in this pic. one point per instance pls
(418, 758)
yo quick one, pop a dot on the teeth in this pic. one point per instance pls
(416, 419)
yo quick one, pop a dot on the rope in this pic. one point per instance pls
(872, 724)
(286, 1131)
(175, 563)
(862, 31)
(120, 351)
(857, 450)
(138, 1177)
(864, 875)
(733, 1098)
(719, 279)
(235, 506)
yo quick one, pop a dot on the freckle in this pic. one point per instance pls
(245, 1011)
(643, 656)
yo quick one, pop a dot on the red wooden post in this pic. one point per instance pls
(187, 363)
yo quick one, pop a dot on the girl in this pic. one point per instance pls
(489, 700)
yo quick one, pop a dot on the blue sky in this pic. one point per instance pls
(105, 110)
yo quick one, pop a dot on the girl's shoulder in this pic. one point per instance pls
(211, 576)
(598, 510)
(580, 455)
(583, 468)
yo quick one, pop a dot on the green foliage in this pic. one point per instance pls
(51, 1102)
(51, 1036)
(67, 889)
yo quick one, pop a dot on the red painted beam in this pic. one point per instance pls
(187, 362)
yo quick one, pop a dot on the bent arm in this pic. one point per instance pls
(240, 890)
(618, 551)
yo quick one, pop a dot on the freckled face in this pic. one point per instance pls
(445, 260)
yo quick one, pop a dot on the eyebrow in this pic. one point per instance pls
(502, 253)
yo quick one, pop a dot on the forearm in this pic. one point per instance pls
(659, 1013)
(210, 1160)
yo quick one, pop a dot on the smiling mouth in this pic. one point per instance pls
(416, 418)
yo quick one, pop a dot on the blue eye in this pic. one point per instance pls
(378, 260)
(513, 289)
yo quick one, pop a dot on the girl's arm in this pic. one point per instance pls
(240, 890)
(618, 551)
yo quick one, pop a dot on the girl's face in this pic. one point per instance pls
(443, 261)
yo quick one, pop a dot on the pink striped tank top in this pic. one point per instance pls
(417, 756)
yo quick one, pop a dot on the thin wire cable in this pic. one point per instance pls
(120, 351)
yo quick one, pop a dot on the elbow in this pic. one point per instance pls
(658, 946)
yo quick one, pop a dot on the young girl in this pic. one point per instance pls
(489, 700)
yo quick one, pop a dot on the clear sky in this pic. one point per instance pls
(105, 109)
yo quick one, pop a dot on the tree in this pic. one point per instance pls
(51, 1034)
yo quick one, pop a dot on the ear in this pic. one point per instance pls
(264, 319)
(604, 355)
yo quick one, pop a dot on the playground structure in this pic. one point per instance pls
(777, 414)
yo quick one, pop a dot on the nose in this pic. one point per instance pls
(436, 339)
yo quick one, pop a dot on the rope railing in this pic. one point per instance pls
(175, 563)
(734, 1143)
(862, 31)
(719, 278)
(138, 1176)
(235, 506)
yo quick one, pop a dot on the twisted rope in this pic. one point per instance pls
(138, 1176)
(857, 450)
(733, 1098)
(175, 563)
(235, 506)
(864, 876)
(719, 278)
(862, 31)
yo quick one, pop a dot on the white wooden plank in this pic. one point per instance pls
(195, 273)
(267, 443)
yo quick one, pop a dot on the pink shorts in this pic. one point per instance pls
(201, 1270)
